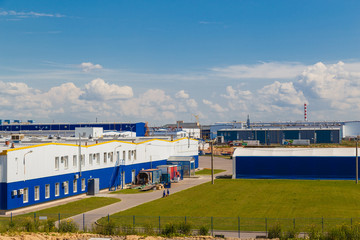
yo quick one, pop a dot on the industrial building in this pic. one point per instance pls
(68, 129)
(33, 171)
(277, 135)
(294, 163)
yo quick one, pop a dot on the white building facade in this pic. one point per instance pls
(45, 172)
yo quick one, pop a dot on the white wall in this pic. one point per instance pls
(39, 161)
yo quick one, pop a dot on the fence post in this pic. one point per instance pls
(266, 227)
(294, 223)
(133, 221)
(239, 227)
(185, 219)
(84, 222)
(322, 224)
(11, 217)
(59, 219)
(212, 226)
(159, 225)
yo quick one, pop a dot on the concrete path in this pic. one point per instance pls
(87, 219)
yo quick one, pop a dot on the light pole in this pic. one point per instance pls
(357, 162)
(212, 161)
(24, 163)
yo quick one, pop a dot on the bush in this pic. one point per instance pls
(315, 234)
(204, 231)
(170, 229)
(275, 231)
(30, 225)
(68, 226)
(49, 225)
(128, 229)
(109, 228)
(185, 228)
(290, 234)
(149, 229)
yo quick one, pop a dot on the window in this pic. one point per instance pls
(37, 193)
(82, 159)
(83, 186)
(124, 155)
(111, 156)
(56, 163)
(98, 158)
(75, 186)
(134, 154)
(57, 189)
(66, 162)
(105, 157)
(129, 153)
(74, 161)
(90, 159)
(26, 195)
(133, 176)
(66, 187)
(47, 190)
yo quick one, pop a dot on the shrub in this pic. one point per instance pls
(185, 228)
(149, 229)
(290, 234)
(49, 225)
(314, 233)
(204, 231)
(109, 228)
(128, 229)
(170, 229)
(68, 226)
(275, 231)
(30, 225)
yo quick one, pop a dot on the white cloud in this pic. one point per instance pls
(182, 94)
(88, 66)
(215, 106)
(191, 103)
(98, 89)
(261, 70)
(23, 14)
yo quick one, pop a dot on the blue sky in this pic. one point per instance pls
(162, 61)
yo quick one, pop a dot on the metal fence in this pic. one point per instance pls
(234, 225)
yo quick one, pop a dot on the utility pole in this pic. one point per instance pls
(212, 162)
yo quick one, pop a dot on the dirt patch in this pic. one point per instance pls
(86, 236)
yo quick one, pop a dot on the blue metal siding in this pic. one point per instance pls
(139, 128)
(290, 167)
(7, 201)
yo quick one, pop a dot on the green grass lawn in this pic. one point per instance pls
(259, 198)
(207, 171)
(73, 208)
(130, 191)
(254, 201)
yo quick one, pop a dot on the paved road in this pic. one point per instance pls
(132, 200)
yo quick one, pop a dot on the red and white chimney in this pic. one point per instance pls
(305, 112)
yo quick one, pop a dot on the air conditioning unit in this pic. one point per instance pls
(13, 192)
(20, 191)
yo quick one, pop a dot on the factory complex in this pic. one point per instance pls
(38, 169)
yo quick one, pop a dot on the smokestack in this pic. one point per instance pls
(305, 112)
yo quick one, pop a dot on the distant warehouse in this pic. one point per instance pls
(294, 163)
(277, 135)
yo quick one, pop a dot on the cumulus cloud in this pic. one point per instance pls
(98, 89)
(214, 106)
(261, 70)
(88, 66)
(182, 94)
